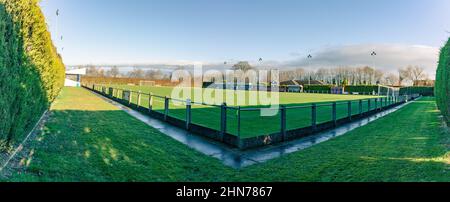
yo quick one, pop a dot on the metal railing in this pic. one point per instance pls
(246, 122)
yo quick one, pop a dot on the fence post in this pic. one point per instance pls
(150, 102)
(376, 104)
(349, 110)
(334, 113)
(223, 120)
(139, 99)
(188, 114)
(369, 105)
(239, 122)
(130, 98)
(360, 107)
(283, 123)
(381, 103)
(166, 107)
(314, 116)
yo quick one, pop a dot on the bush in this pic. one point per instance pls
(422, 90)
(31, 72)
(442, 87)
(320, 88)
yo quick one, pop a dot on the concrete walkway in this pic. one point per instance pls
(239, 159)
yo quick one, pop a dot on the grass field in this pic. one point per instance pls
(88, 139)
(251, 121)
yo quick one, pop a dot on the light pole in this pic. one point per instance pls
(373, 54)
(309, 66)
(257, 76)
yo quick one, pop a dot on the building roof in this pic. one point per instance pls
(307, 82)
(424, 83)
(301, 82)
(76, 71)
(289, 83)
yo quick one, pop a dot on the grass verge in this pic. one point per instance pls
(87, 139)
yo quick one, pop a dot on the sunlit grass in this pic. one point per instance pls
(88, 145)
(251, 121)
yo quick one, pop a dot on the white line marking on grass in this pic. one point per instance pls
(20, 147)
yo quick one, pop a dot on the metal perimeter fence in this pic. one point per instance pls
(244, 127)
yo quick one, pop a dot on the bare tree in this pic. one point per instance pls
(417, 73)
(136, 73)
(113, 72)
(404, 75)
(390, 79)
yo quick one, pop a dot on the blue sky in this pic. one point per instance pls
(165, 31)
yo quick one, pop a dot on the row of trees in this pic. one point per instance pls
(348, 75)
(114, 72)
(356, 76)
(333, 76)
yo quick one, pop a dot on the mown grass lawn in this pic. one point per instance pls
(251, 121)
(87, 139)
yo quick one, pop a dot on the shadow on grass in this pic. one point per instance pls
(110, 146)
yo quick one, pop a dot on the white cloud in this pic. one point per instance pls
(390, 57)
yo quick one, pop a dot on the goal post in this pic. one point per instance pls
(387, 90)
(147, 83)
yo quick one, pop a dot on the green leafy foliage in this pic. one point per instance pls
(442, 88)
(31, 71)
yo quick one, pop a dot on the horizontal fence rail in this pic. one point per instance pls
(244, 127)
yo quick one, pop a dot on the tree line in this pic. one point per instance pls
(137, 73)
(331, 76)
(357, 75)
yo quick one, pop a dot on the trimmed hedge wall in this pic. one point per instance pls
(442, 88)
(31, 71)
(422, 90)
(320, 88)
(368, 89)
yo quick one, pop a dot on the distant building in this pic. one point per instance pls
(289, 83)
(307, 82)
(297, 85)
(73, 77)
(290, 86)
(301, 82)
(294, 88)
(428, 83)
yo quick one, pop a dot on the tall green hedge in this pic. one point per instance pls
(31, 71)
(319, 88)
(366, 89)
(422, 90)
(442, 87)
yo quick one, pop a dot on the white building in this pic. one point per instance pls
(74, 73)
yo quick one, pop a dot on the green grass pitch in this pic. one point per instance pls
(252, 123)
